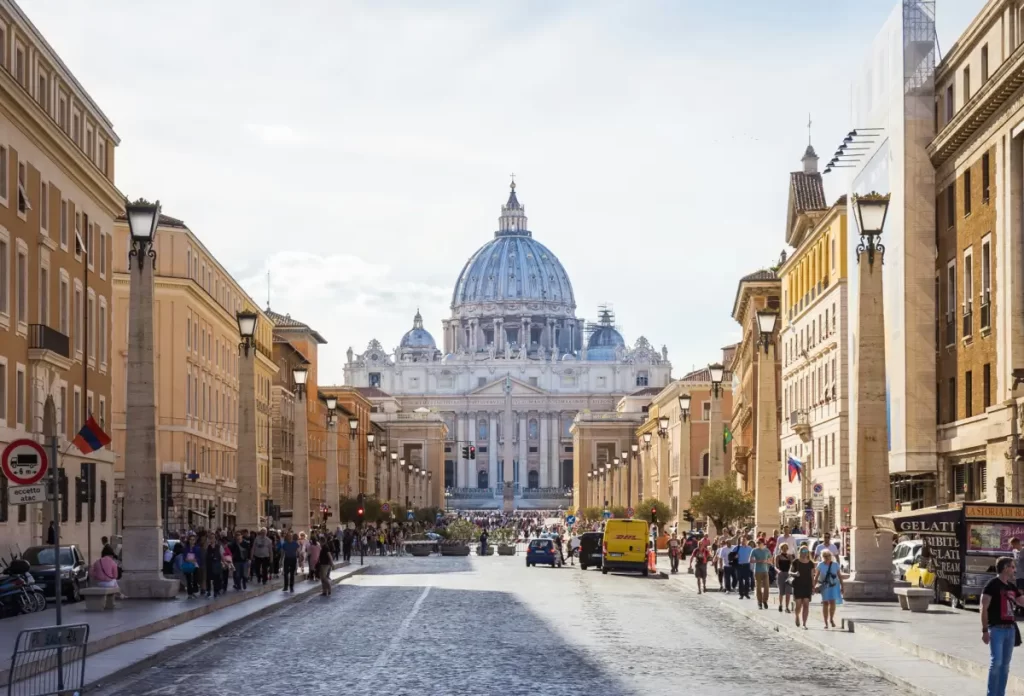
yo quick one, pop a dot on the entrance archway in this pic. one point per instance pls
(481, 479)
(533, 479)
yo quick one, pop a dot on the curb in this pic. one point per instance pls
(185, 645)
(847, 627)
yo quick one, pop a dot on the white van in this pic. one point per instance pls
(903, 558)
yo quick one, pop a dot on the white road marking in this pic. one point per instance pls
(397, 639)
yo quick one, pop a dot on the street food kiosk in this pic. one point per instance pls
(960, 542)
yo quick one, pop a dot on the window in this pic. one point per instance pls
(44, 296)
(76, 415)
(188, 331)
(4, 276)
(76, 128)
(103, 251)
(88, 239)
(102, 331)
(986, 385)
(985, 178)
(44, 206)
(950, 205)
(967, 193)
(21, 282)
(19, 397)
(641, 378)
(952, 399)
(23, 204)
(103, 501)
(3, 175)
(78, 236)
(188, 392)
(62, 485)
(968, 303)
(62, 121)
(78, 500)
(950, 107)
(967, 83)
(984, 64)
(986, 283)
(968, 394)
(78, 318)
(64, 224)
(950, 302)
(706, 411)
(42, 94)
(64, 308)
(62, 415)
(3, 395)
(92, 326)
(19, 65)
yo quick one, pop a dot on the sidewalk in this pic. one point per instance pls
(940, 651)
(139, 629)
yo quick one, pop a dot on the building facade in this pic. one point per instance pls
(196, 341)
(58, 202)
(513, 313)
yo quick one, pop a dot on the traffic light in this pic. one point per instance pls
(472, 451)
(82, 483)
(465, 451)
(212, 512)
(360, 511)
(687, 515)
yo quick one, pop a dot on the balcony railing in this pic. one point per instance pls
(986, 316)
(42, 337)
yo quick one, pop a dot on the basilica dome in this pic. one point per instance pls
(605, 340)
(514, 268)
(418, 338)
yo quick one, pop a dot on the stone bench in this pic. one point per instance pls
(100, 598)
(914, 598)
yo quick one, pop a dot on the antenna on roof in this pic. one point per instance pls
(268, 289)
(808, 128)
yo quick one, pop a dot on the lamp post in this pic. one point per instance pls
(333, 486)
(396, 489)
(248, 474)
(616, 481)
(716, 433)
(685, 489)
(870, 562)
(405, 481)
(766, 478)
(430, 477)
(355, 485)
(300, 474)
(143, 533)
(371, 453)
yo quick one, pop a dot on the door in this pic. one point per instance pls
(533, 479)
(481, 479)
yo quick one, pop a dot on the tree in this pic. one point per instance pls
(618, 512)
(643, 510)
(722, 502)
(592, 514)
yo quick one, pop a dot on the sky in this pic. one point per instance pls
(359, 152)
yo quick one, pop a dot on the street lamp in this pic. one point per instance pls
(635, 448)
(766, 320)
(871, 210)
(717, 371)
(299, 375)
(647, 440)
(370, 437)
(143, 218)
(353, 426)
(246, 329)
(684, 407)
(300, 465)
(663, 426)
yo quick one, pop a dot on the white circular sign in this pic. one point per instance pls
(818, 488)
(24, 462)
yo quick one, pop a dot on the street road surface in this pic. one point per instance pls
(442, 625)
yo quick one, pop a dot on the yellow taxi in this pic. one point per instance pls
(624, 546)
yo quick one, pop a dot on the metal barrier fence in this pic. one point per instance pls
(49, 661)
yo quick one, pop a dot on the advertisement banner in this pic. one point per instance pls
(940, 532)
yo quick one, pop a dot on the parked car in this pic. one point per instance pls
(590, 549)
(903, 558)
(74, 571)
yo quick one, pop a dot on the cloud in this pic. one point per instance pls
(275, 134)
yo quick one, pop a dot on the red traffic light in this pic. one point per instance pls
(654, 511)
(359, 512)
(472, 451)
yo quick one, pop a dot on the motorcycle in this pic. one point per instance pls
(19, 593)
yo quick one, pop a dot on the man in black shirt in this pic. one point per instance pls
(998, 623)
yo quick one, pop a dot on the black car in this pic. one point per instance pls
(590, 549)
(74, 571)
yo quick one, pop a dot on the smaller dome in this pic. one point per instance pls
(604, 343)
(417, 337)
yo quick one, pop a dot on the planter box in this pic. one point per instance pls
(419, 549)
(506, 550)
(455, 550)
(488, 552)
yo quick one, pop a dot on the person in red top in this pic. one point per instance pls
(699, 563)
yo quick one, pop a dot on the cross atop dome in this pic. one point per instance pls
(512, 221)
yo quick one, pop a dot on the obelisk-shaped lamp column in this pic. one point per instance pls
(354, 485)
(333, 492)
(716, 433)
(769, 467)
(248, 468)
(142, 535)
(870, 561)
(300, 475)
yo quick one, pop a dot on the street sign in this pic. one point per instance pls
(410, 516)
(606, 514)
(809, 515)
(22, 495)
(818, 496)
(790, 502)
(24, 462)
(385, 508)
(629, 512)
(571, 519)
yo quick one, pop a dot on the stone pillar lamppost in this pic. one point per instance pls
(371, 452)
(626, 469)
(870, 562)
(248, 469)
(634, 450)
(333, 492)
(766, 482)
(300, 475)
(354, 484)
(685, 482)
(716, 434)
(644, 466)
(395, 493)
(404, 478)
(142, 535)
(430, 491)
(384, 491)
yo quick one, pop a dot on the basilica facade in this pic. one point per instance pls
(513, 323)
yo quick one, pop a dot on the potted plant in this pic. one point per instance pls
(419, 545)
(461, 534)
(505, 538)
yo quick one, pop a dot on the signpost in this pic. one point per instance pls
(606, 514)
(818, 497)
(629, 512)
(24, 462)
(570, 520)
(790, 502)
(410, 516)
(23, 495)
(385, 508)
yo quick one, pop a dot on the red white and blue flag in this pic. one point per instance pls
(794, 468)
(91, 437)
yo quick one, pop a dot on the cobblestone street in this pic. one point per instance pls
(489, 626)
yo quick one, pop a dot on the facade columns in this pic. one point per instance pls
(522, 468)
(492, 450)
(545, 463)
(460, 435)
(554, 453)
(300, 464)
(766, 481)
(870, 562)
(248, 511)
(142, 532)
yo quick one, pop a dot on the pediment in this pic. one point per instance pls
(497, 388)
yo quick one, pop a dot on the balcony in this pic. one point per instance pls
(800, 424)
(49, 345)
(986, 316)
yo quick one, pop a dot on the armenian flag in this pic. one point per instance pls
(794, 468)
(91, 437)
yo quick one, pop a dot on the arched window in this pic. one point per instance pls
(481, 432)
(533, 428)
(533, 479)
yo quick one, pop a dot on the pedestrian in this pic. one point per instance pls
(346, 545)
(760, 560)
(829, 583)
(673, 551)
(802, 570)
(290, 552)
(726, 558)
(483, 543)
(827, 545)
(999, 624)
(227, 563)
(214, 566)
(51, 535)
(744, 570)
(574, 547)
(303, 543)
(190, 566)
(324, 566)
(314, 557)
(783, 561)
(240, 555)
(262, 549)
(699, 564)
(103, 572)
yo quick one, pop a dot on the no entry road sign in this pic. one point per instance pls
(24, 462)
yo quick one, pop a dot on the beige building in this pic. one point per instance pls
(196, 340)
(814, 350)
(56, 187)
